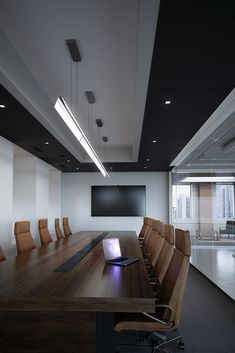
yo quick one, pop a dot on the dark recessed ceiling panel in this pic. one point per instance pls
(220, 75)
(161, 96)
(205, 98)
(172, 75)
(189, 67)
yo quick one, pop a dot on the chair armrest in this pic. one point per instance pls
(165, 322)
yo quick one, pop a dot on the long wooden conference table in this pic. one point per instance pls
(48, 302)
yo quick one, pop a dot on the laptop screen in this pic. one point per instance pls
(111, 248)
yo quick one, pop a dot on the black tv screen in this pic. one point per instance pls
(118, 200)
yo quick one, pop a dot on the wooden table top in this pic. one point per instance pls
(29, 282)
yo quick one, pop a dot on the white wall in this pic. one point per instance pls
(36, 193)
(6, 188)
(30, 189)
(76, 199)
(24, 191)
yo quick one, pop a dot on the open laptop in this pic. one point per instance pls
(112, 253)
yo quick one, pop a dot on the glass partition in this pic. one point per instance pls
(203, 203)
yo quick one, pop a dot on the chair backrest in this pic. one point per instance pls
(148, 231)
(172, 289)
(155, 243)
(158, 226)
(44, 233)
(67, 230)
(2, 255)
(166, 253)
(58, 231)
(24, 239)
(145, 228)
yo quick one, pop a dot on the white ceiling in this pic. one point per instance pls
(115, 39)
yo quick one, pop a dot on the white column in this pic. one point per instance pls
(6, 186)
(54, 199)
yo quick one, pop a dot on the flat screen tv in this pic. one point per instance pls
(118, 200)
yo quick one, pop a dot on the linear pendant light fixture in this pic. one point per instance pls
(63, 110)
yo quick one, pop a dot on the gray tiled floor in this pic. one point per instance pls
(218, 264)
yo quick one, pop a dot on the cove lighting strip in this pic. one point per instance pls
(63, 110)
(208, 179)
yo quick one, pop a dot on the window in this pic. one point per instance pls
(224, 201)
(181, 201)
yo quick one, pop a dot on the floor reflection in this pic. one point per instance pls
(218, 264)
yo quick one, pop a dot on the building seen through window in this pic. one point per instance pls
(181, 201)
(224, 201)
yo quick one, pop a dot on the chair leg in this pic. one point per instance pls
(161, 347)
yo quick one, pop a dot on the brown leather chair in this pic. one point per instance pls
(165, 255)
(164, 323)
(24, 239)
(2, 255)
(44, 233)
(145, 228)
(154, 244)
(58, 231)
(144, 242)
(67, 230)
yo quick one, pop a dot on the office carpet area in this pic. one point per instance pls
(208, 318)
(207, 323)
